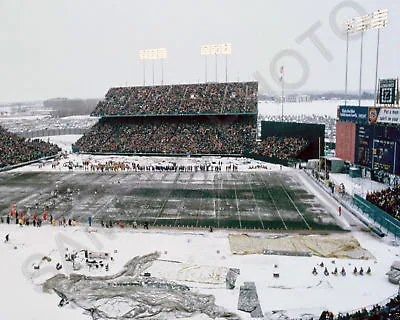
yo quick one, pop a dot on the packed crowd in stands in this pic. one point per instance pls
(189, 135)
(15, 150)
(284, 148)
(388, 200)
(389, 311)
(207, 98)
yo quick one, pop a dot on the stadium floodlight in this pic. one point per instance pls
(205, 50)
(379, 21)
(153, 54)
(216, 49)
(161, 53)
(363, 23)
(376, 20)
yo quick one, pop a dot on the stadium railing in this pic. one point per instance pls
(22, 164)
(378, 215)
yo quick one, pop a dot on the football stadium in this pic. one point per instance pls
(151, 167)
(213, 120)
(181, 201)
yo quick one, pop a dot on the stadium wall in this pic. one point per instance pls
(345, 140)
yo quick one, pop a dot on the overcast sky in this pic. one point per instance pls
(80, 48)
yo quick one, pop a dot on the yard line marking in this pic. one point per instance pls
(216, 193)
(199, 210)
(217, 212)
(167, 196)
(273, 202)
(255, 201)
(237, 204)
(291, 200)
(190, 176)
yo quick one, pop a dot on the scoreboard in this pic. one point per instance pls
(363, 146)
(375, 142)
(378, 147)
(384, 155)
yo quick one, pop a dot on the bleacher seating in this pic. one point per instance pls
(185, 99)
(388, 200)
(15, 150)
(208, 118)
(170, 135)
(283, 148)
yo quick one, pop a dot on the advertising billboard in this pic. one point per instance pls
(353, 114)
(384, 115)
(369, 115)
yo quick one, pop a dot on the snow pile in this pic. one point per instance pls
(177, 271)
(328, 246)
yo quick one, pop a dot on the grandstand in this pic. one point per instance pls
(172, 135)
(15, 150)
(214, 118)
(188, 119)
(187, 99)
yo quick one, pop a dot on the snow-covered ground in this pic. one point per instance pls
(198, 259)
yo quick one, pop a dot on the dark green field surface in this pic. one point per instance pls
(246, 200)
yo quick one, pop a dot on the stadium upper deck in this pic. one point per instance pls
(185, 99)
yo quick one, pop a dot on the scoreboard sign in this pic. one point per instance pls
(387, 91)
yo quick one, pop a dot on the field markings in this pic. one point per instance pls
(217, 187)
(294, 205)
(216, 214)
(237, 204)
(184, 198)
(103, 207)
(273, 202)
(199, 209)
(219, 198)
(198, 212)
(166, 198)
(255, 201)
